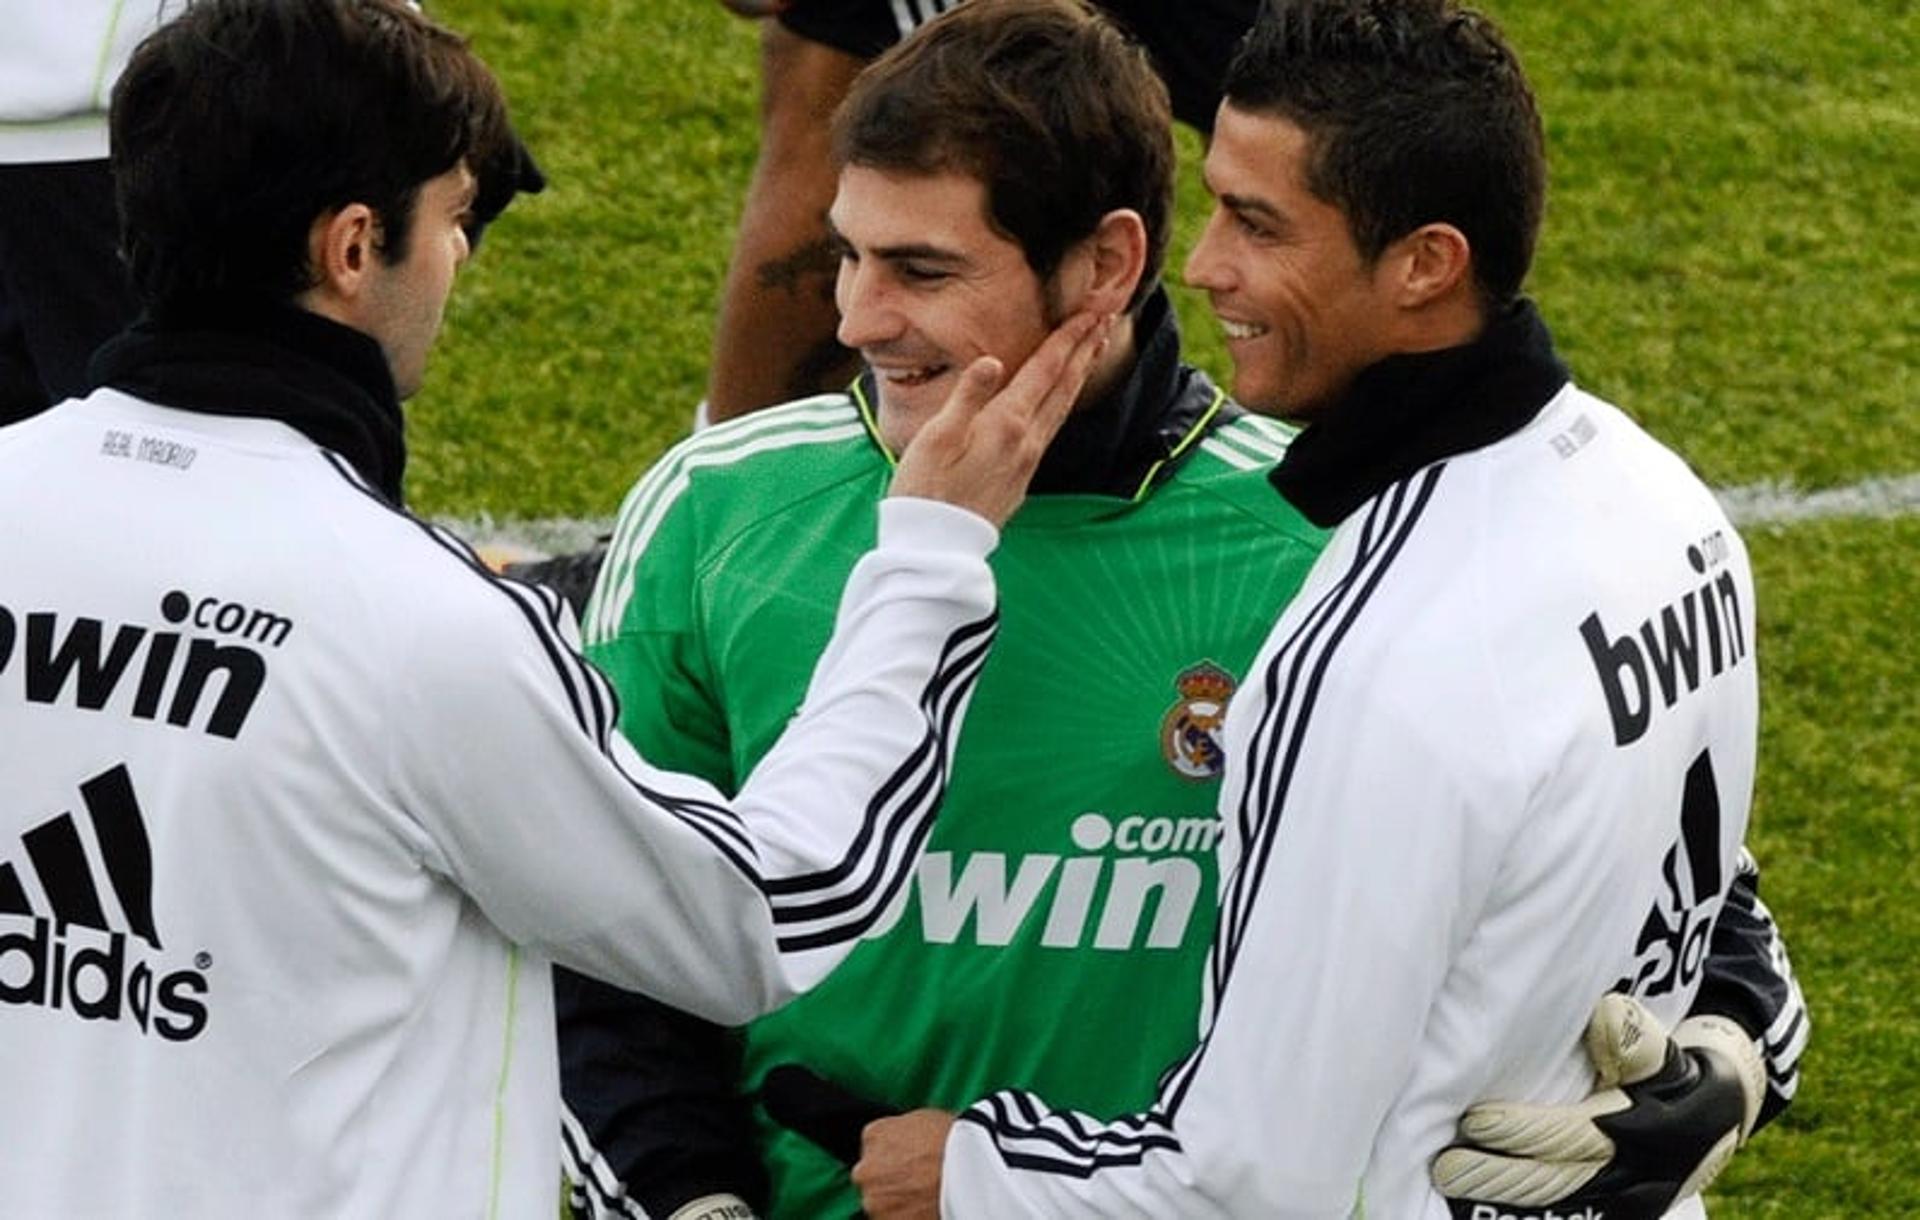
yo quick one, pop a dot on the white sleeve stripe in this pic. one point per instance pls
(721, 437)
(1250, 455)
(1783, 1057)
(1786, 1038)
(812, 422)
(901, 841)
(1248, 439)
(902, 20)
(1791, 1027)
(1231, 456)
(827, 411)
(1132, 1128)
(1274, 431)
(593, 1183)
(633, 534)
(606, 704)
(846, 887)
(1783, 1065)
(1054, 1142)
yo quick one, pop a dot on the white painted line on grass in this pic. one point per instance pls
(544, 535)
(1767, 503)
(1774, 503)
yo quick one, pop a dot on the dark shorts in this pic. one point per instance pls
(1191, 42)
(63, 290)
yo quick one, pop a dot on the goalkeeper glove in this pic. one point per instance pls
(1667, 1116)
(714, 1207)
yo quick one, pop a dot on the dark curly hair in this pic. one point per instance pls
(1416, 111)
(1045, 102)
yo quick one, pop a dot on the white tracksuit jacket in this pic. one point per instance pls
(298, 801)
(1497, 755)
(58, 62)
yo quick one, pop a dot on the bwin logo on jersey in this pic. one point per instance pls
(1127, 902)
(91, 975)
(1190, 731)
(1672, 649)
(88, 662)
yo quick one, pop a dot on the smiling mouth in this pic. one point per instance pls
(907, 378)
(1242, 330)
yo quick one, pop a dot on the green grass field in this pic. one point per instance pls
(1729, 254)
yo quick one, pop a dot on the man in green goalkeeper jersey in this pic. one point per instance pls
(1008, 165)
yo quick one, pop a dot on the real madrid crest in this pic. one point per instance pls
(1190, 731)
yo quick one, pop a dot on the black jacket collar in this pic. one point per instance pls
(329, 381)
(1407, 412)
(1120, 445)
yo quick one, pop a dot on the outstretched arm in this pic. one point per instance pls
(728, 907)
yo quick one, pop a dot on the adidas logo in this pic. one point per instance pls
(1672, 950)
(91, 973)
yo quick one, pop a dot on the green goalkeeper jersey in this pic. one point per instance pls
(1054, 930)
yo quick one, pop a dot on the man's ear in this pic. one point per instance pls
(341, 249)
(1430, 265)
(1106, 266)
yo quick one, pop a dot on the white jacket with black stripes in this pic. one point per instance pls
(1495, 759)
(298, 802)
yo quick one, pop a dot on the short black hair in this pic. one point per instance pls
(1416, 112)
(239, 123)
(1045, 102)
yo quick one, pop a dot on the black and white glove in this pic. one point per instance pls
(1667, 1115)
(714, 1207)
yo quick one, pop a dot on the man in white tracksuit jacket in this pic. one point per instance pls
(1494, 758)
(300, 800)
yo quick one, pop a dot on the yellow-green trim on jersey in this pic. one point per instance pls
(1058, 921)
